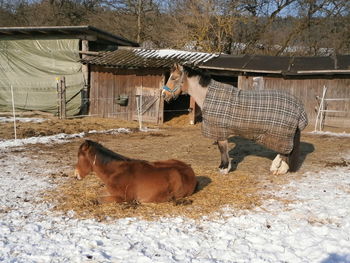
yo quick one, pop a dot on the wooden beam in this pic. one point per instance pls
(40, 31)
(87, 37)
(89, 53)
(85, 71)
(340, 71)
(242, 69)
(192, 114)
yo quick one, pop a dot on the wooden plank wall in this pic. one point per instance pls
(151, 85)
(106, 84)
(307, 89)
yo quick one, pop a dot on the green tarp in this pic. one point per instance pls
(32, 68)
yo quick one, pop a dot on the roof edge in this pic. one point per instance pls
(72, 28)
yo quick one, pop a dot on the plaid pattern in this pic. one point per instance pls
(268, 117)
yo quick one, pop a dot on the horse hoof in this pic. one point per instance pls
(182, 202)
(132, 204)
(282, 169)
(224, 171)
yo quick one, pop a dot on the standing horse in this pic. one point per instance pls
(269, 117)
(130, 180)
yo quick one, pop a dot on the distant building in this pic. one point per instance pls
(32, 58)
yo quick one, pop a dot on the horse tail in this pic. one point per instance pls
(293, 158)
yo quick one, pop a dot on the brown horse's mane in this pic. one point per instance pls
(204, 77)
(103, 154)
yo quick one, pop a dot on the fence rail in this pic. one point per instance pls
(321, 112)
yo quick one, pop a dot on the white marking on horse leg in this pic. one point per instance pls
(279, 166)
(226, 170)
(225, 157)
(284, 168)
(276, 163)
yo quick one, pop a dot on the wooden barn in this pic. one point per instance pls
(126, 83)
(33, 58)
(305, 77)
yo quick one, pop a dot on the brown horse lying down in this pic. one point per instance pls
(129, 180)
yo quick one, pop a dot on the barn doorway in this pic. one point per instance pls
(176, 108)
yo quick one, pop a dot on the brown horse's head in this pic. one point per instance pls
(85, 160)
(174, 86)
(92, 154)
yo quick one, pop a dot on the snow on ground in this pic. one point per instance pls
(57, 138)
(313, 228)
(328, 133)
(20, 119)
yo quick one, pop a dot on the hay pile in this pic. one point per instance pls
(69, 126)
(239, 191)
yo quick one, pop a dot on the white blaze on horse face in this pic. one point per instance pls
(165, 93)
(77, 175)
(173, 88)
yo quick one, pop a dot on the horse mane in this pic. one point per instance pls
(103, 154)
(204, 77)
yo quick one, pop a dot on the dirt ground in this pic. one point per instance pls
(246, 187)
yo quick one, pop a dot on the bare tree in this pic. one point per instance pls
(263, 15)
(139, 9)
(315, 24)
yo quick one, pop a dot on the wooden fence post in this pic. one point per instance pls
(193, 111)
(61, 91)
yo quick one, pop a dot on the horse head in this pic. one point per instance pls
(174, 86)
(86, 160)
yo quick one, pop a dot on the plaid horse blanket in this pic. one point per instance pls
(268, 117)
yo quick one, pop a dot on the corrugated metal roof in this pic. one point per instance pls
(339, 64)
(127, 57)
(147, 58)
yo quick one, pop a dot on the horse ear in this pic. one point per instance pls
(174, 67)
(178, 67)
(86, 145)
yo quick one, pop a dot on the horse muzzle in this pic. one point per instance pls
(169, 94)
(77, 175)
(165, 96)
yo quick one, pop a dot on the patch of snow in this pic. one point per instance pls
(328, 133)
(57, 138)
(19, 119)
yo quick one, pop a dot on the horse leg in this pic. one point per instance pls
(293, 157)
(225, 165)
(181, 201)
(103, 192)
(109, 199)
(284, 163)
